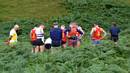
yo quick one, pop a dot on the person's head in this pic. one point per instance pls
(55, 25)
(16, 27)
(96, 25)
(114, 24)
(62, 27)
(42, 26)
(73, 24)
(35, 28)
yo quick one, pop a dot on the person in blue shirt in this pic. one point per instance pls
(56, 35)
(114, 32)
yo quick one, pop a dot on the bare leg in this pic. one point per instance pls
(115, 43)
(75, 43)
(42, 48)
(78, 43)
(64, 45)
(33, 50)
(37, 49)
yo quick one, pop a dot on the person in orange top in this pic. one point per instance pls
(64, 37)
(72, 34)
(97, 34)
(37, 38)
(33, 38)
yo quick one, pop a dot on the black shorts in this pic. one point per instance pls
(56, 43)
(48, 46)
(114, 38)
(34, 43)
(37, 42)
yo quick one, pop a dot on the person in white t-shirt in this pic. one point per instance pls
(40, 38)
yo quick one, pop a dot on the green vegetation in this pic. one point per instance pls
(86, 59)
(15, 9)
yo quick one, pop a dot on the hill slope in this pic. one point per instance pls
(13, 9)
(107, 58)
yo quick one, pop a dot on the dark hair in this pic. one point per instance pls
(114, 23)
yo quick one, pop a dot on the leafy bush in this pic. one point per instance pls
(106, 58)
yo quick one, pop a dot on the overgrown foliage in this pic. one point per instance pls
(106, 58)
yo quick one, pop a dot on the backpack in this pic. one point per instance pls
(33, 35)
(97, 34)
(73, 32)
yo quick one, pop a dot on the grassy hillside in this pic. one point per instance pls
(13, 9)
(107, 58)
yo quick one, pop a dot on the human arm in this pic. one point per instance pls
(104, 33)
(91, 33)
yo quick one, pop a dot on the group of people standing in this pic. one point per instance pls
(59, 36)
(97, 33)
(62, 36)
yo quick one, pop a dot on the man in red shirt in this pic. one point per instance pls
(97, 34)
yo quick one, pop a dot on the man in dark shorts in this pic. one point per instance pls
(114, 31)
(40, 38)
(37, 39)
(56, 35)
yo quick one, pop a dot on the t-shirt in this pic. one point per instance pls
(114, 31)
(40, 33)
(13, 35)
(96, 33)
(56, 36)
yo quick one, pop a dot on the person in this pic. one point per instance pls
(12, 41)
(72, 34)
(80, 36)
(97, 34)
(114, 32)
(56, 35)
(48, 43)
(40, 39)
(64, 37)
(33, 39)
